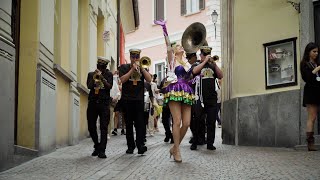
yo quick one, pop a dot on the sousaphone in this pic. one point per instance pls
(194, 37)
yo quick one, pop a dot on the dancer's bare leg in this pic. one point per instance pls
(186, 117)
(175, 108)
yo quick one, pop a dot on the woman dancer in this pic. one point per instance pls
(178, 94)
(310, 67)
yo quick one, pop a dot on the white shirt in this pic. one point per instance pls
(115, 91)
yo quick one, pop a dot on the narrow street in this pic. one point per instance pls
(227, 162)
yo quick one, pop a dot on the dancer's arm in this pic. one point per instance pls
(167, 40)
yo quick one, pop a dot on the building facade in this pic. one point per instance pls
(178, 15)
(47, 49)
(254, 112)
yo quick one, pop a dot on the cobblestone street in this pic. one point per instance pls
(227, 162)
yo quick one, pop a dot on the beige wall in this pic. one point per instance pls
(62, 58)
(111, 25)
(65, 34)
(92, 43)
(100, 30)
(29, 54)
(255, 23)
(83, 41)
(83, 115)
(62, 111)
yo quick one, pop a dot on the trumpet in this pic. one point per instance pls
(97, 77)
(145, 62)
(98, 82)
(213, 59)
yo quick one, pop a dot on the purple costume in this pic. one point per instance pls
(179, 90)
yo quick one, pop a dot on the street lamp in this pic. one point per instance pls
(214, 16)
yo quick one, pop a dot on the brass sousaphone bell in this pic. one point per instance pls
(194, 37)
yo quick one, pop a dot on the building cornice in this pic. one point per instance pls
(159, 40)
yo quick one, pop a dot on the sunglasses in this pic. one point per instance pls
(135, 56)
(205, 54)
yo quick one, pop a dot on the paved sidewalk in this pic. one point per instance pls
(227, 162)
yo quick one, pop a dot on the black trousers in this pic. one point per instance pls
(198, 123)
(193, 120)
(134, 114)
(218, 110)
(102, 110)
(166, 119)
(207, 114)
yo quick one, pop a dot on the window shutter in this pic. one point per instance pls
(183, 7)
(202, 4)
(159, 9)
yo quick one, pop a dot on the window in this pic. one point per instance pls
(191, 6)
(160, 71)
(158, 9)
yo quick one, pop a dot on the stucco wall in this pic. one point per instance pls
(7, 102)
(62, 106)
(256, 23)
(29, 54)
(7, 93)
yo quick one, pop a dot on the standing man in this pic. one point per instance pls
(132, 77)
(99, 82)
(207, 95)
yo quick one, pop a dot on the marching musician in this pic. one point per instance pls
(196, 125)
(206, 71)
(99, 83)
(132, 77)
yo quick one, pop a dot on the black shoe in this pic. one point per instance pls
(130, 151)
(142, 150)
(114, 132)
(211, 147)
(123, 132)
(95, 153)
(102, 155)
(166, 139)
(193, 146)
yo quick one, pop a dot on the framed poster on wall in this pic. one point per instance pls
(280, 63)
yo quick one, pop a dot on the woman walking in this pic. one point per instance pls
(309, 68)
(178, 94)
